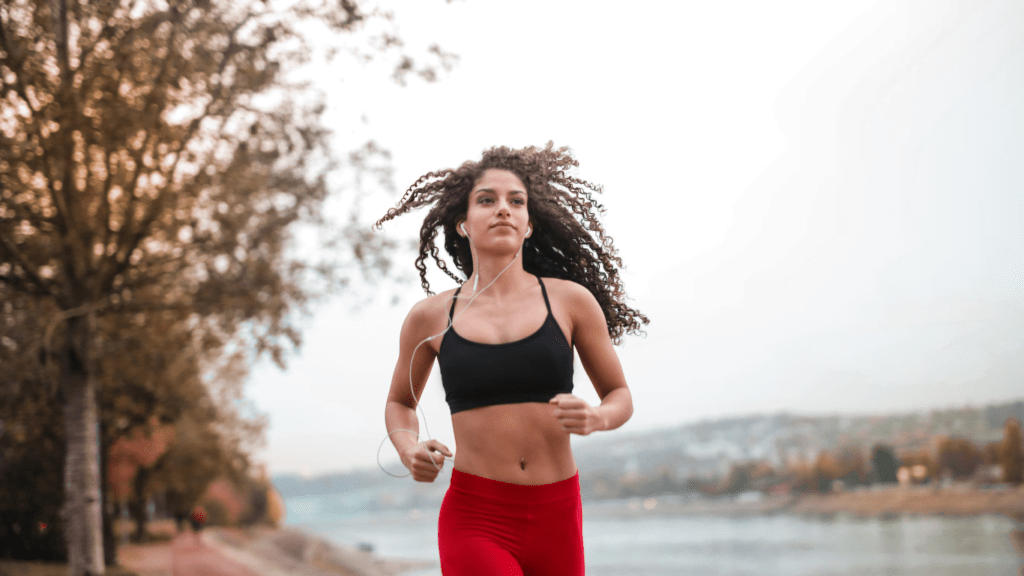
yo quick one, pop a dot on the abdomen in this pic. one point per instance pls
(517, 443)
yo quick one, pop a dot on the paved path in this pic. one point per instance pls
(146, 559)
(186, 555)
(192, 557)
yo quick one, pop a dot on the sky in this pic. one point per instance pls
(820, 205)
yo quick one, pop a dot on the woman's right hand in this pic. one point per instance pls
(425, 459)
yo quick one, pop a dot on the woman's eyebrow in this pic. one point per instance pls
(481, 190)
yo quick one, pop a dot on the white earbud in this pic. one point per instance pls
(529, 230)
(463, 226)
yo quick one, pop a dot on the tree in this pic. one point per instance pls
(957, 456)
(824, 471)
(850, 464)
(150, 382)
(153, 156)
(31, 444)
(737, 480)
(801, 475)
(31, 439)
(1011, 451)
(884, 464)
(212, 439)
(128, 462)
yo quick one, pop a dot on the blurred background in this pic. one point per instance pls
(820, 208)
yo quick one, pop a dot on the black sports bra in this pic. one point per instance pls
(533, 369)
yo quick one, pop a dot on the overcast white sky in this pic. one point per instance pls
(820, 204)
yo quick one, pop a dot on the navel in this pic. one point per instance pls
(522, 463)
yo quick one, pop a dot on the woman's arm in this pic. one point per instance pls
(597, 354)
(423, 459)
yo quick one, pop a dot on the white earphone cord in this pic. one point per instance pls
(451, 322)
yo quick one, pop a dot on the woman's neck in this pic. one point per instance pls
(490, 270)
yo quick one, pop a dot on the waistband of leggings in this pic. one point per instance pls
(480, 486)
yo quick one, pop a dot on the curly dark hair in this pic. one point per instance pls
(567, 242)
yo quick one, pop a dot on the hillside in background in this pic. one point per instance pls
(708, 448)
(705, 449)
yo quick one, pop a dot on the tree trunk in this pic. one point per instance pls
(83, 505)
(109, 509)
(137, 504)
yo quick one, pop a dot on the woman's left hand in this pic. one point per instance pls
(575, 415)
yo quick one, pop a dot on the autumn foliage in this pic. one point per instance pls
(1011, 452)
(139, 448)
(957, 457)
(155, 159)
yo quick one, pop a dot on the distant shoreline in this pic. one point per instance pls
(883, 503)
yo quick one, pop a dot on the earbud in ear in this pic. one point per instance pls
(463, 226)
(529, 230)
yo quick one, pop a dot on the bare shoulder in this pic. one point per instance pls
(577, 301)
(581, 310)
(569, 293)
(427, 314)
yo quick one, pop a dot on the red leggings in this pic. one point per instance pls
(491, 528)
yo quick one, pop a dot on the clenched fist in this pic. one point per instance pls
(576, 416)
(425, 459)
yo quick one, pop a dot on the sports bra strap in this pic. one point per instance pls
(455, 299)
(532, 369)
(545, 292)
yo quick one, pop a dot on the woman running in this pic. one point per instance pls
(542, 280)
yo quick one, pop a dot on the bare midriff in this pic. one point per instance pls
(515, 443)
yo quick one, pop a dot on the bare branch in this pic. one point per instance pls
(127, 240)
(16, 61)
(30, 270)
(59, 14)
(20, 284)
(16, 58)
(105, 33)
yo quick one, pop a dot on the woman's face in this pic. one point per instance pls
(496, 215)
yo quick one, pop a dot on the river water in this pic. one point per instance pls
(660, 545)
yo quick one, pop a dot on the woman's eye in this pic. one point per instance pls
(489, 200)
